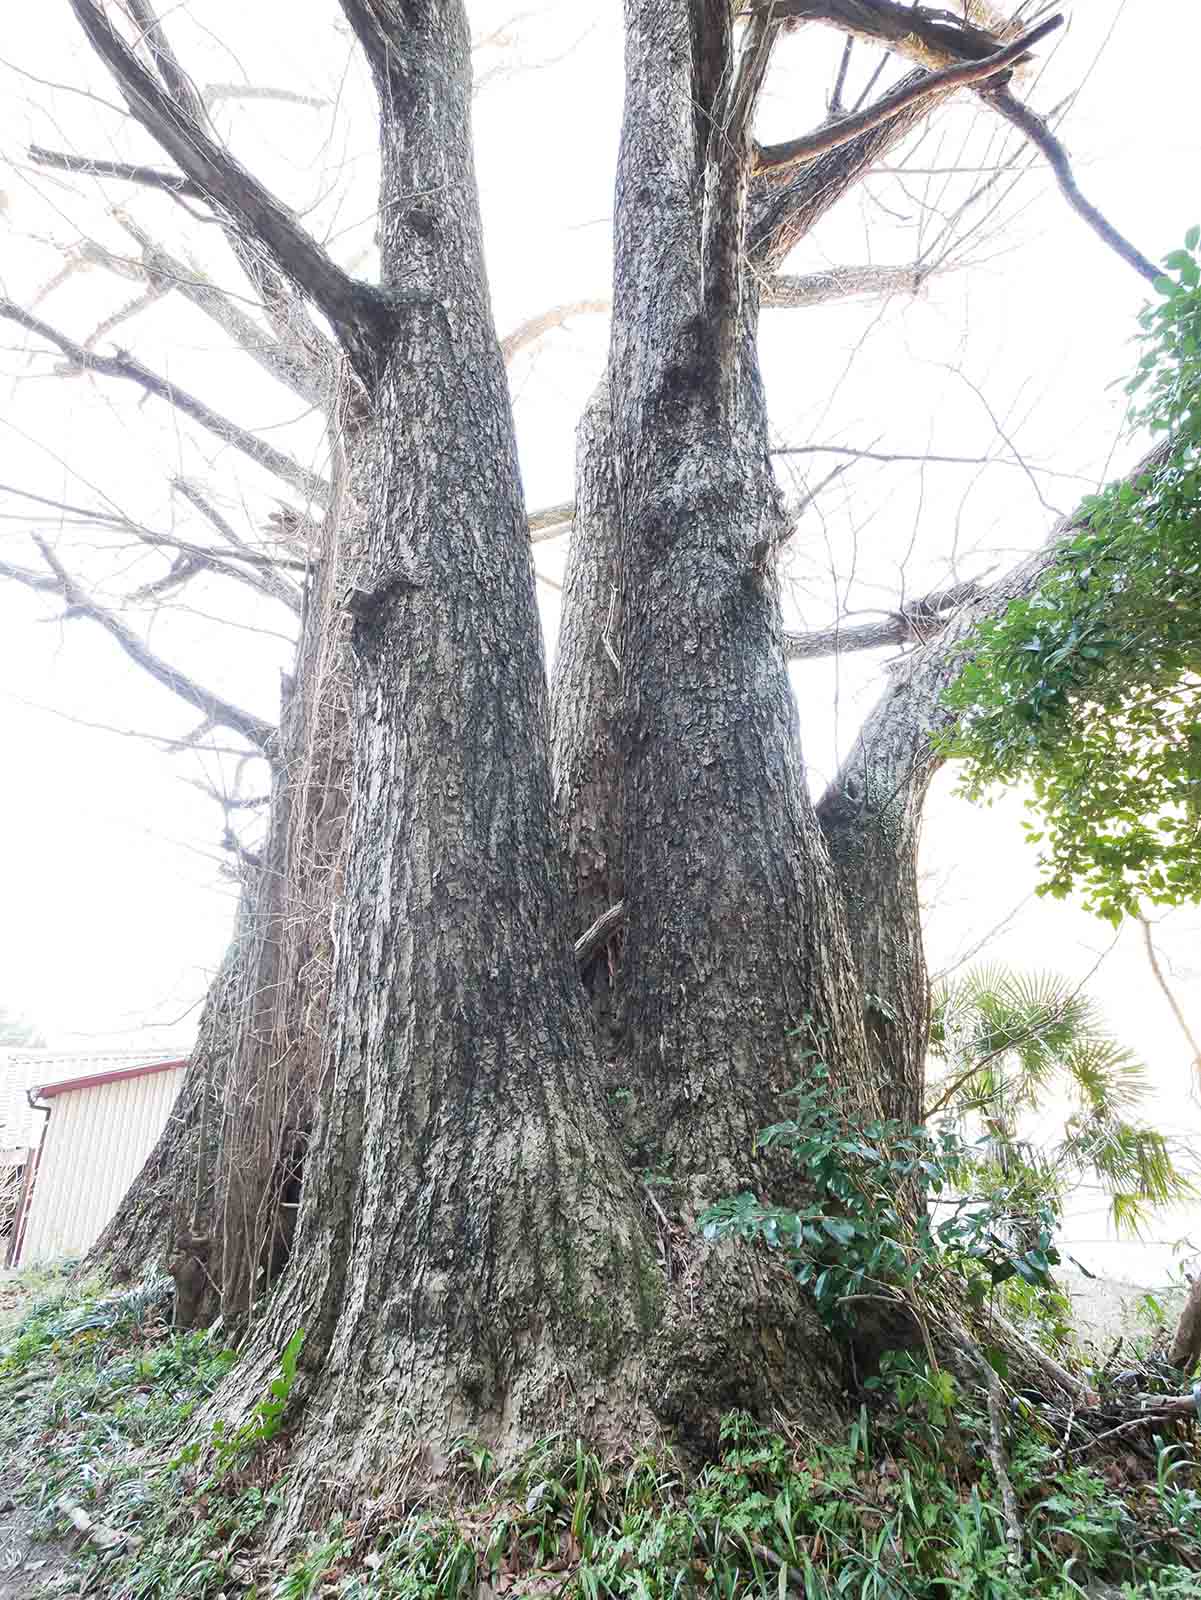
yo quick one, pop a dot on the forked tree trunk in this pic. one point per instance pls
(477, 1252)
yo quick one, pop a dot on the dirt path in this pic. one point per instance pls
(29, 1565)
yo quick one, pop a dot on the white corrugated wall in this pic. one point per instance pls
(95, 1143)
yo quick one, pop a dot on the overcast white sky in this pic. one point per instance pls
(113, 911)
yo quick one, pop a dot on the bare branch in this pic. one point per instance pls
(180, 86)
(1005, 103)
(928, 35)
(31, 580)
(125, 366)
(127, 171)
(915, 623)
(893, 456)
(1165, 989)
(786, 291)
(285, 592)
(835, 106)
(551, 520)
(304, 354)
(357, 311)
(214, 93)
(218, 711)
(529, 332)
(793, 151)
(126, 313)
(285, 359)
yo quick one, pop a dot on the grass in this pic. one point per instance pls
(97, 1392)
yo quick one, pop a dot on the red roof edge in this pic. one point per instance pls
(93, 1080)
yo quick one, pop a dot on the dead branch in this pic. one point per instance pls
(786, 291)
(551, 521)
(534, 328)
(285, 359)
(126, 367)
(1028, 122)
(193, 558)
(218, 711)
(937, 36)
(599, 934)
(890, 457)
(356, 310)
(996, 1455)
(126, 313)
(1165, 988)
(793, 151)
(214, 93)
(304, 357)
(916, 623)
(835, 106)
(282, 589)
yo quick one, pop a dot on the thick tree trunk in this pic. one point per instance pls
(871, 818)
(271, 1100)
(586, 699)
(471, 1252)
(474, 1252)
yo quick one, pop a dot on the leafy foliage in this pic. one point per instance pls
(902, 1507)
(1008, 1040)
(233, 1447)
(1089, 689)
(860, 1237)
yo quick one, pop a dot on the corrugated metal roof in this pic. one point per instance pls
(21, 1070)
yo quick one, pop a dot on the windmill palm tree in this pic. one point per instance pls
(1009, 1044)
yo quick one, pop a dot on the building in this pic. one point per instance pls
(80, 1127)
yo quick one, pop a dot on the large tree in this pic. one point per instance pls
(507, 951)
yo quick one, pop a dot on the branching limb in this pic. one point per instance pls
(218, 711)
(126, 171)
(303, 352)
(534, 328)
(286, 359)
(1007, 105)
(244, 567)
(727, 176)
(938, 35)
(793, 151)
(126, 367)
(915, 623)
(356, 310)
(282, 590)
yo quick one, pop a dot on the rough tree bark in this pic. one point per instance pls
(586, 699)
(475, 1251)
